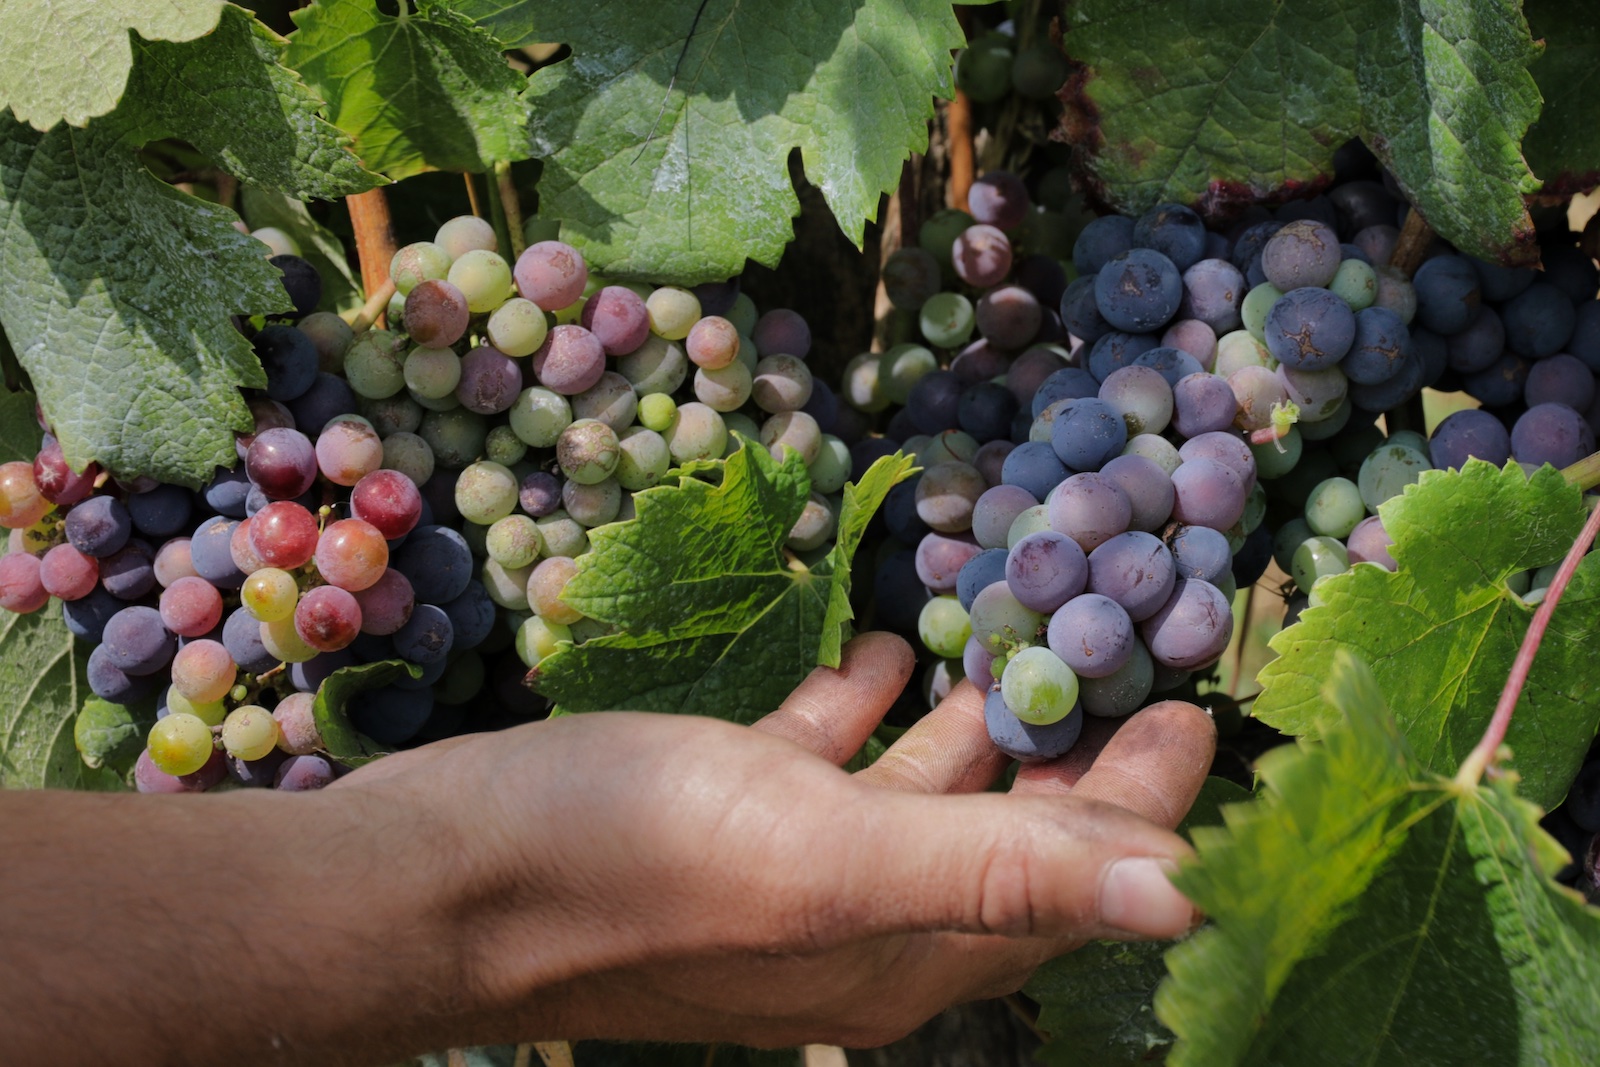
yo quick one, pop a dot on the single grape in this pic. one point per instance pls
(297, 725)
(1134, 569)
(203, 672)
(483, 278)
(351, 554)
(1045, 570)
(327, 618)
(1092, 634)
(190, 607)
(570, 361)
(65, 572)
(270, 594)
(1317, 557)
(1124, 690)
(539, 637)
(427, 636)
(21, 589)
(250, 732)
(944, 627)
(179, 744)
(1192, 628)
(486, 492)
(417, 263)
(1038, 687)
(587, 451)
(464, 233)
(386, 604)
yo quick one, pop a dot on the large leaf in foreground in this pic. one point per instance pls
(69, 59)
(716, 619)
(423, 90)
(230, 97)
(1441, 633)
(1222, 102)
(666, 136)
(1368, 911)
(115, 289)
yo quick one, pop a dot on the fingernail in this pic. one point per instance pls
(1137, 896)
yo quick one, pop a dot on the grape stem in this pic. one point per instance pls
(958, 126)
(375, 247)
(362, 320)
(1415, 237)
(511, 206)
(1481, 760)
(472, 194)
(1585, 474)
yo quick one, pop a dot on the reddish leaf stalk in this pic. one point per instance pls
(375, 247)
(958, 127)
(1415, 237)
(1481, 759)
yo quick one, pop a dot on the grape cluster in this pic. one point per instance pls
(418, 493)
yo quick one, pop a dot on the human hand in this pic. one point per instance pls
(647, 876)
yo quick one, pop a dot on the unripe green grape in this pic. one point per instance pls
(747, 354)
(816, 526)
(781, 383)
(1318, 557)
(1038, 687)
(1028, 521)
(743, 314)
(1388, 470)
(737, 422)
(284, 642)
(944, 626)
(1001, 622)
(180, 744)
(507, 586)
(792, 430)
(433, 373)
(673, 312)
(538, 638)
(514, 541)
(983, 68)
(1277, 458)
(903, 366)
(250, 732)
(831, 469)
(486, 492)
(1287, 539)
(518, 327)
(1257, 303)
(949, 446)
(210, 712)
(1356, 284)
(483, 278)
(417, 263)
(539, 416)
(456, 436)
(563, 535)
(587, 451)
(1255, 509)
(410, 455)
(391, 415)
(592, 505)
(476, 535)
(611, 400)
(1334, 507)
(643, 459)
(939, 232)
(462, 234)
(270, 594)
(503, 446)
(656, 411)
(332, 338)
(374, 367)
(947, 320)
(723, 390)
(657, 366)
(448, 402)
(278, 242)
(863, 385)
(395, 312)
(697, 432)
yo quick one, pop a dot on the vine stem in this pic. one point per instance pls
(1415, 237)
(472, 194)
(512, 207)
(375, 247)
(958, 123)
(1481, 759)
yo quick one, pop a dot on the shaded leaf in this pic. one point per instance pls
(1222, 103)
(1563, 146)
(1441, 633)
(340, 739)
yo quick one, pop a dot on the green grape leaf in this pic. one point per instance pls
(715, 618)
(340, 739)
(115, 289)
(424, 90)
(319, 246)
(69, 59)
(671, 163)
(1223, 103)
(1368, 911)
(1563, 146)
(1097, 1002)
(1441, 633)
(861, 499)
(20, 435)
(111, 734)
(43, 679)
(229, 96)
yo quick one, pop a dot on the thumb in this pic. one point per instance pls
(1061, 867)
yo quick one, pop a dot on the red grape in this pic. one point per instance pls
(352, 554)
(191, 607)
(389, 501)
(327, 618)
(67, 573)
(284, 535)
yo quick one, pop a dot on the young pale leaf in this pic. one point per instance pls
(228, 95)
(1563, 146)
(1441, 633)
(116, 289)
(677, 169)
(1368, 911)
(715, 619)
(319, 246)
(69, 59)
(43, 679)
(425, 90)
(342, 740)
(1220, 103)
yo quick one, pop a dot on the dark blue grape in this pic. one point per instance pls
(1304, 253)
(1034, 466)
(1390, 394)
(114, 685)
(1009, 316)
(1551, 433)
(900, 512)
(1479, 345)
(1361, 204)
(1173, 230)
(227, 492)
(1568, 269)
(1432, 354)
(1087, 433)
(427, 636)
(1044, 277)
(302, 282)
(1561, 379)
(1025, 742)
(1138, 291)
(1469, 434)
(1099, 242)
(471, 616)
(935, 401)
(1254, 555)
(211, 553)
(980, 572)
(1135, 570)
(1247, 249)
(328, 398)
(129, 573)
(257, 774)
(290, 360)
(136, 643)
(1080, 314)
(1381, 346)
(87, 616)
(1499, 384)
(897, 593)
(390, 715)
(1312, 209)
(1499, 284)
(300, 774)
(1173, 364)
(1092, 634)
(309, 676)
(1538, 321)
(1213, 290)
(1310, 329)
(985, 411)
(1200, 552)
(823, 405)
(1117, 350)
(1585, 341)
(1447, 294)
(863, 454)
(161, 512)
(1068, 383)
(1355, 252)
(438, 563)
(99, 526)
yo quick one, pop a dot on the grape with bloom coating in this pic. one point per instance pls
(297, 726)
(1038, 687)
(250, 732)
(551, 274)
(351, 554)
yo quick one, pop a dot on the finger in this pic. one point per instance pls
(947, 751)
(1153, 765)
(1058, 867)
(835, 710)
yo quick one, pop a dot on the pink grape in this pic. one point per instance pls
(191, 607)
(21, 502)
(436, 314)
(570, 361)
(243, 553)
(545, 586)
(67, 573)
(282, 462)
(352, 554)
(172, 562)
(284, 535)
(57, 482)
(386, 604)
(327, 618)
(348, 449)
(297, 726)
(551, 274)
(713, 342)
(21, 590)
(389, 501)
(203, 671)
(618, 317)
